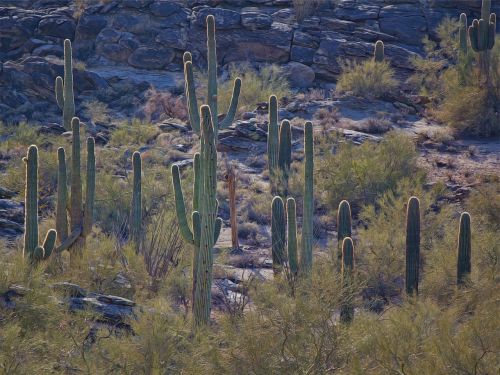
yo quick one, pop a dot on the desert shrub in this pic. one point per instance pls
(133, 133)
(367, 78)
(361, 173)
(162, 105)
(97, 111)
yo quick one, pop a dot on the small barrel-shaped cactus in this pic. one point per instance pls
(64, 88)
(378, 53)
(136, 204)
(347, 308)
(412, 245)
(291, 212)
(464, 249)
(278, 234)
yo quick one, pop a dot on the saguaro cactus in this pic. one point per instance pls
(32, 249)
(278, 234)
(231, 187)
(62, 197)
(136, 204)
(80, 215)
(412, 245)
(306, 258)
(273, 136)
(212, 97)
(347, 308)
(291, 212)
(462, 34)
(378, 53)
(482, 38)
(206, 227)
(464, 249)
(344, 225)
(64, 88)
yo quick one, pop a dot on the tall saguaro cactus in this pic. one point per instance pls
(482, 38)
(344, 225)
(273, 136)
(212, 96)
(136, 205)
(32, 249)
(80, 214)
(306, 258)
(347, 309)
(291, 212)
(378, 53)
(464, 249)
(412, 245)
(62, 197)
(278, 234)
(206, 227)
(64, 88)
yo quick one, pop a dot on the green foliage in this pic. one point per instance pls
(367, 79)
(359, 174)
(134, 133)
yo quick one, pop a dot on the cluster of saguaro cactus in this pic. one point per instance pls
(212, 97)
(206, 227)
(482, 37)
(64, 88)
(412, 245)
(286, 251)
(347, 308)
(32, 249)
(464, 249)
(80, 215)
(378, 53)
(135, 224)
(279, 149)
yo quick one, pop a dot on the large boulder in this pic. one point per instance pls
(57, 26)
(299, 75)
(404, 21)
(151, 58)
(224, 18)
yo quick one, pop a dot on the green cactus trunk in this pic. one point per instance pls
(482, 39)
(412, 246)
(31, 249)
(464, 249)
(62, 196)
(291, 212)
(378, 54)
(278, 234)
(88, 216)
(273, 137)
(284, 157)
(64, 88)
(306, 258)
(462, 34)
(347, 308)
(212, 95)
(344, 225)
(136, 205)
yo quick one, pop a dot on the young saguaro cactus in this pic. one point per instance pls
(64, 88)
(306, 258)
(212, 96)
(462, 34)
(291, 212)
(344, 225)
(378, 53)
(32, 249)
(136, 205)
(412, 245)
(80, 215)
(278, 234)
(206, 227)
(347, 309)
(464, 249)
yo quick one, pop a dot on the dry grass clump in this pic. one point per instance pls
(161, 105)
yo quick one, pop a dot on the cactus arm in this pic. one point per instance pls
(473, 35)
(344, 225)
(192, 101)
(31, 202)
(62, 196)
(66, 244)
(273, 135)
(88, 217)
(491, 31)
(217, 229)
(180, 207)
(49, 243)
(231, 112)
(278, 234)
(485, 9)
(347, 309)
(197, 181)
(76, 178)
(412, 245)
(292, 235)
(208, 206)
(285, 146)
(464, 249)
(59, 87)
(212, 97)
(306, 259)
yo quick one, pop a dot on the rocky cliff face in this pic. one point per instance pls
(140, 42)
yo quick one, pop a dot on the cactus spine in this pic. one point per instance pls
(378, 54)
(306, 258)
(464, 249)
(347, 309)
(212, 97)
(80, 215)
(278, 234)
(64, 88)
(136, 205)
(32, 249)
(206, 227)
(344, 225)
(412, 245)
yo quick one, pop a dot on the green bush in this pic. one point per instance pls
(367, 78)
